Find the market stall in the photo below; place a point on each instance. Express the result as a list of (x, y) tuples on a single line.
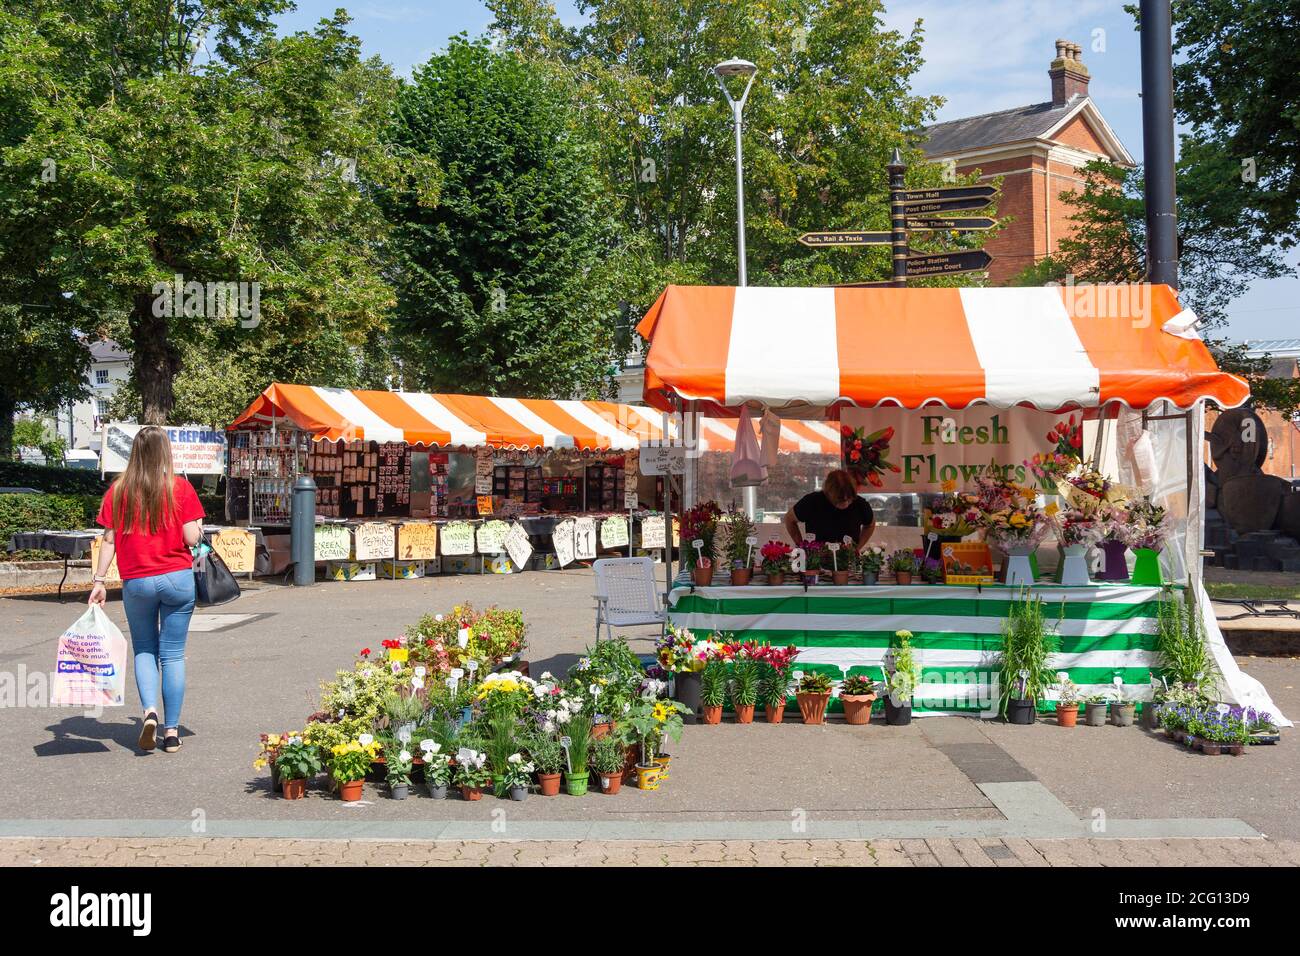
[(937, 391)]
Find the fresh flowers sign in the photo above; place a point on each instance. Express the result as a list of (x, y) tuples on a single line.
[(925, 448)]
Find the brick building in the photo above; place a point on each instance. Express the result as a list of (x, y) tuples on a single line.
[(1038, 152)]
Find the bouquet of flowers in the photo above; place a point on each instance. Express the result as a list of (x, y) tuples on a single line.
[(953, 513), (1012, 518), (815, 554), (1068, 438), (700, 523), (1144, 525), (1076, 526), (1049, 468), (675, 651), (865, 454), (1091, 482), (776, 557)]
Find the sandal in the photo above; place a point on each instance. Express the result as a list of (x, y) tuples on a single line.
[(149, 732), (171, 743)]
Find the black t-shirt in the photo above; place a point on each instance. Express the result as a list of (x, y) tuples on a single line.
[(828, 524)]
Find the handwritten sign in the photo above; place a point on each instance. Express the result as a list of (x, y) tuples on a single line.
[(457, 538), (518, 546), (584, 539), (562, 537), (484, 505), (237, 547), (653, 534), (417, 540), (333, 542), (373, 540), (112, 574), (484, 458), (492, 537), (631, 479), (663, 460), (613, 532)]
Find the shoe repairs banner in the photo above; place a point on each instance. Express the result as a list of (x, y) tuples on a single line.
[(917, 450), (196, 450)]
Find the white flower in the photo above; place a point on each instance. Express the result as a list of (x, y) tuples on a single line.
[(428, 745), (626, 708), (563, 717), (366, 740), (548, 676), (404, 755), (437, 617), (295, 740), (539, 691), (515, 758), (404, 735), (594, 690), (548, 726)]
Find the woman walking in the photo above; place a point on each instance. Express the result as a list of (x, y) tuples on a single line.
[(153, 518)]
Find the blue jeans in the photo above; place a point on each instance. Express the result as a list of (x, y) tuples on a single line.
[(158, 611)]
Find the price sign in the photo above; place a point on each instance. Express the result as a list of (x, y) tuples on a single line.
[(457, 538), (237, 547), (584, 539), (484, 504), (492, 537), (653, 533), (613, 532), (631, 476), (373, 540), (333, 542), (562, 537), (483, 461), (417, 540), (518, 546), (663, 460)]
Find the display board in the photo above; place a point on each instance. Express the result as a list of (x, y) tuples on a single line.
[(584, 539), (518, 546), (491, 537), (457, 538), (237, 547), (483, 462), (562, 540), (373, 541), (333, 542), (417, 540), (613, 532), (654, 533), (195, 450), (394, 479)]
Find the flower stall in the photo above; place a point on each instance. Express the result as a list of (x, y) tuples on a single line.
[(1048, 429)]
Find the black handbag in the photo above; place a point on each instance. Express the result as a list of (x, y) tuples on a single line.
[(214, 585)]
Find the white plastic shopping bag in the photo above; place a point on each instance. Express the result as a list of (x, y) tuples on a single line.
[(90, 668)]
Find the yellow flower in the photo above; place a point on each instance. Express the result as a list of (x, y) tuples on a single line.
[(661, 712), (1051, 509), (1017, 520), (949, 486)]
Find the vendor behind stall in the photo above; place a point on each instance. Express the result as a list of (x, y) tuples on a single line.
[(833, 513)]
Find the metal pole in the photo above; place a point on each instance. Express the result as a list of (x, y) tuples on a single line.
[(302, 531), (736, 107), (898, 218), (1158, 142)]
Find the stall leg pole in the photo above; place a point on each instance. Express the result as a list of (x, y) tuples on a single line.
[(668, 533)]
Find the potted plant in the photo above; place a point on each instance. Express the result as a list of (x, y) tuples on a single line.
[(295, 764), (1112, 542), (437, 770), (931, 571), (744, 687), (1145, 533), (1067, 700), (606, 760), (699, 527), (903, 563), (869, 563), (547, 755), (713, 690), (398, 765), (472, 774), (349, 764), (679, 654), (813, 554), (841, 561), (1027, 645), (578, 730), (516, 776), (857, 694), (775, 684), (739, 529), (1122, 711), (902, 676), (1094, 710), (776, 561), (813, 694)]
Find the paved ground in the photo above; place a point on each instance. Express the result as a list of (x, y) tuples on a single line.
[(74, 778)]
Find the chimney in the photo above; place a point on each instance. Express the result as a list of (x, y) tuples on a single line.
[(1069, 75)]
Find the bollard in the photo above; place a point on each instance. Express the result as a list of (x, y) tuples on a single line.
[(302, 531)]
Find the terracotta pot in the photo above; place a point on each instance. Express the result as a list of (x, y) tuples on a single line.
[(294, 789), (629, 763), (350, 792), (857, 708), (1067, 716), (471, 793), (610, 782), (712, 715), (600, 730), (813, 707), (702, 577), (744, 713), (840, 577), (1235, 749), (647, 778), (1211, 748), (773, 715), (549, 784), (741, 576), (903, 577), (775, 577)]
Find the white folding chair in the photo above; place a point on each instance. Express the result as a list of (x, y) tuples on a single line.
[(626, 596)]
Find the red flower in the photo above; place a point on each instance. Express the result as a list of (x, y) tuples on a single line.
[(889, 434), (895, 469), (1052, 436), (857, 443), (1076, 439), (874, 479), (846, 431), (365, 652), (855, 456)]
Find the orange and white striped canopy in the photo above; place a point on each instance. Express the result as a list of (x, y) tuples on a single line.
[(809, 437), (804, 351), (467, 421)]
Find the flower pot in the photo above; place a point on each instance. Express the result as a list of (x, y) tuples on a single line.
[(744, 713), (471, 793), (857, 708), (773, 715), (1094, 715), (1121, 715), (662, 762), (741, 576), (870, 577), (1114, 567), (1146, 568), (576, 783), (1074, 566), (703, 577), (518, 793), (294, 789), (610, 782), (898, 715), (1150, 715), (812, 707), (809, 578), (1019, 569), (686, 688), (711, 715), (437, 791), (903, 577), (1067, 715), (275, 778), (840, 578), (775, 577), (1211, 748), (548, 784), (1235, 749), (399, 791), (630, 756), (350, 792), (1020, 710), (601, 729), (647, 778)]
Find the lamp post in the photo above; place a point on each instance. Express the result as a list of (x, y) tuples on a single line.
[(723, 72)]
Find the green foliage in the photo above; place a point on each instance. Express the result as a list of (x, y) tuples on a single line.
[(713, 683), (745, 676), (578, 730), (55, 480), (546, 753), (46, 512), (1027, 646), (775, 686), (36, 433), (297, 761), (815, 682), (43, 360), (737, 527), (607, 755), (1282, 395), (398, 769), (904, 674), (1185, 658)]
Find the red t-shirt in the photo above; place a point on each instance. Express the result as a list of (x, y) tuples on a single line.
[(143, 555)]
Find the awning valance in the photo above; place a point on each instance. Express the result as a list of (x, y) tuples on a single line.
[(802, 351)]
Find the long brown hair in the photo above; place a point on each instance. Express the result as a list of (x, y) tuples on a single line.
[(143, 497)]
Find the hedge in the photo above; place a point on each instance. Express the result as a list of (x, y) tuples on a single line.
[(52, 480), (42, 512)]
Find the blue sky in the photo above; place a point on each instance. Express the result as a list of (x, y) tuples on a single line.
[(981, 55)]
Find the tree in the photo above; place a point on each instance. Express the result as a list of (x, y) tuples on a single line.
[(35, 433), (511, 284), (145, 142), (43, 361)]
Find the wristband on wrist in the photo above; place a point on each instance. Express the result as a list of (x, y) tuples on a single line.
[(98, 579)]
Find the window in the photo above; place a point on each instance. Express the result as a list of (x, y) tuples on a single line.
[(101, 376)]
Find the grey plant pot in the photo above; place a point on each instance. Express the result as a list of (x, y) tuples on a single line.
[(1094, 715), (438, 793), (518, 793), (687, 690), (1122, 714), (399, 791)]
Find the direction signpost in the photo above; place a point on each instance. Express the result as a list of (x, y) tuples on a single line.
[(951, 225), (845, 238), (948, 263)]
